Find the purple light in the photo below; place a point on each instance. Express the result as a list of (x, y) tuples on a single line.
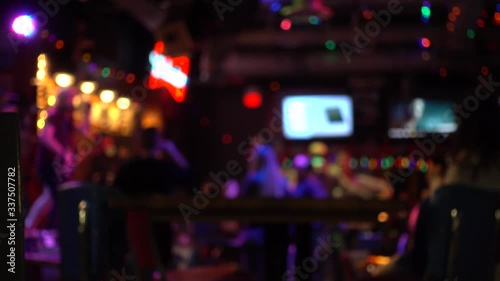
[(301, 161), (52, 38), (24, 25), (92, 67)]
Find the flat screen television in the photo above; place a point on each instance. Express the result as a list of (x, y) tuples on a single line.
[(308, 117), (420, 117)]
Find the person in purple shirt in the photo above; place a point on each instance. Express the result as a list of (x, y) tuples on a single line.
[(311, 187)]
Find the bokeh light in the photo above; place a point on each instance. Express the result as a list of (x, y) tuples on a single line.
[(405, 162), (24, 25), (40, 123), (130, 78), (383, 217), (40, 74), (471, 34), (330, 45), (480, 23), (318, 148), (353, 163), (450, 26), (227, 138), (425, 42), (367, 15), (252, 99), (426, 12), (301, 161), (275, 86), (286, 24), (64, 80), (364, 162), (496, 17), (105, 72), (86, 57), (314, 20), (59, 44), (42, 64), (44, 114), (107, 96), (87, 87), (485, 70), (275, 7), (123, 103), (317, 162), (443, 72), (51, 100)]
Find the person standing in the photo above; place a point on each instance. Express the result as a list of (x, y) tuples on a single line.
[(309, 187), (54, 159), (151, 173), (267, 181)]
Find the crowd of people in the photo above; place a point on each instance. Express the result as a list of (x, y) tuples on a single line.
[(160, 168)]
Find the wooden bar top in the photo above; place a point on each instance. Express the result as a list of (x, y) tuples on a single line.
[(259, 209)]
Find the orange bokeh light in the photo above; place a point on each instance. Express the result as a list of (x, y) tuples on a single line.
[(497, 16), (130, 78), (426, 43), (450, 26), (59, 44)]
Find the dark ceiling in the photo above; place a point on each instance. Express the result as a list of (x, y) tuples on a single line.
[(250, 43)]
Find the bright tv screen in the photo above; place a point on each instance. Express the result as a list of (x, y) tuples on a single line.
[(420, 117), (317, 116)]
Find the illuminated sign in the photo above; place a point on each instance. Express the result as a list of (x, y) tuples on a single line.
[(169, 72)]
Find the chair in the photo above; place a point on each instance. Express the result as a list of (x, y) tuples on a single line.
[(462, 234), (70, 195)]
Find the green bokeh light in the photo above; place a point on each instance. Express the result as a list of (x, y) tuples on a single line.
[(426, 12), (353, 163), (317, 162), (314, 20), (330, 45), (471, 34), (105, 72)]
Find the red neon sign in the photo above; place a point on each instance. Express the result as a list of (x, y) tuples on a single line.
[(169, 72)]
